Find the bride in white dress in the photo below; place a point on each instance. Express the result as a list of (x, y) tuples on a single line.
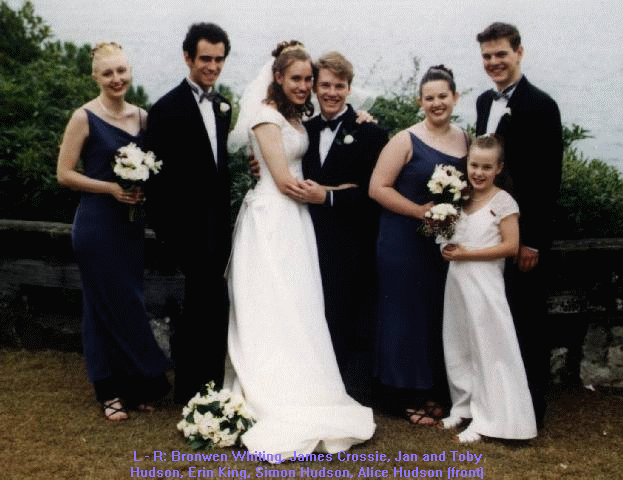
[(279, 344)]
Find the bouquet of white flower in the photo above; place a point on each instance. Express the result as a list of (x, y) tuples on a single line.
[(448, 191), (446, 185), (440, 221), (132, 166), (214, 419)]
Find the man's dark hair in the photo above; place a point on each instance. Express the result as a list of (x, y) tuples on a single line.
[(498, 30), (204, 31)]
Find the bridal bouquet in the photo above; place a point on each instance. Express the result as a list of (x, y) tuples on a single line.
[(214, 419), (133, 166), (449, 191)]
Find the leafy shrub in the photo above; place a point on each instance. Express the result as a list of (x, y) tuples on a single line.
[(42, 82), (591, 194)]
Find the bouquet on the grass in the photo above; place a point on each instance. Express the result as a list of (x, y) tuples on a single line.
[(214, 419), (133, 166), (448, 191)]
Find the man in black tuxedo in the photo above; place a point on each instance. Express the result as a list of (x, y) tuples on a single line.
[(339, 161), (189, 205), (528, 121)]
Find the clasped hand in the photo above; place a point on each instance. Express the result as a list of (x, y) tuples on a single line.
[(131, 197), (308, 191), (453, 252)]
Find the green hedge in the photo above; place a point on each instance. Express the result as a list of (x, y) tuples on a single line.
[(42, 82)]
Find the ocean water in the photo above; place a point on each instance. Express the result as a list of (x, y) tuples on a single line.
[(572, 47)]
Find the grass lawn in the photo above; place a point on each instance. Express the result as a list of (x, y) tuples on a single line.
[(52, 428)]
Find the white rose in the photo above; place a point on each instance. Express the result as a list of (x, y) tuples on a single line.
[(190, 430), (348, 139), (142, 173), (228, 440), (224, 107), (435, 187)]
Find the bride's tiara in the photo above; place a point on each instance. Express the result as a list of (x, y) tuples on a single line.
[(293, 47)]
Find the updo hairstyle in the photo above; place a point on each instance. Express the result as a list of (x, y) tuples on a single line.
[(103, 49), (439, 72)]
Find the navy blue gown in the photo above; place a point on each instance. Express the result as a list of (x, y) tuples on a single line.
[(412, 273), (121, 353)]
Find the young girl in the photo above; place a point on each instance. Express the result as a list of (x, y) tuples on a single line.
[(485, 370)]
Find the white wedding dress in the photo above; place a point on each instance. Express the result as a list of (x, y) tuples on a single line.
[(280, 356), (485, 370)]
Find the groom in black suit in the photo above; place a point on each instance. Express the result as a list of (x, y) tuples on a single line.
[(189, 205), (528, 121), (341, 156)]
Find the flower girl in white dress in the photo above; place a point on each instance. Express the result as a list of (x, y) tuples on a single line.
[(485, 370)]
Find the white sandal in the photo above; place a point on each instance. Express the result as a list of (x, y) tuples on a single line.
[(451, 422)]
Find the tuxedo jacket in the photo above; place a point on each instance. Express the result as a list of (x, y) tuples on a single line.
[(189, 200), (348, 225), (533, 148)]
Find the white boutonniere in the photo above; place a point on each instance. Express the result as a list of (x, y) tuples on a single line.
[(224, 107), (346, 137), (507, 111)]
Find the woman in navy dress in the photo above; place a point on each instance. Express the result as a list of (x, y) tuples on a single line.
[(124, 362), (409, 355)]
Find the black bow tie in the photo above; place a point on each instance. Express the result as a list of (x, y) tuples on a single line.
[(332, 124), (204, 95), (505, 94), (210, 96)]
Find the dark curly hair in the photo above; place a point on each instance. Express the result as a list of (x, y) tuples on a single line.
[(438, 72), (285, 55), (204, 31)]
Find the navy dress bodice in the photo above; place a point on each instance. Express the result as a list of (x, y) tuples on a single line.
[(412, 275)]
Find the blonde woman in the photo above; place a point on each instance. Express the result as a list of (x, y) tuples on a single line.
[(123, 360)]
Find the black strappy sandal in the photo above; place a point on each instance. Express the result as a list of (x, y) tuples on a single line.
[(108, 409), (420, 417)]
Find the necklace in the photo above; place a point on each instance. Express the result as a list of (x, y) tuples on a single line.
[(116, 116), (436, 132), (486, 197)]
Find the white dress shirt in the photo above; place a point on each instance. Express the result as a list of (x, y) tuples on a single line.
[(327, 137), (207, 113), (498, 109)]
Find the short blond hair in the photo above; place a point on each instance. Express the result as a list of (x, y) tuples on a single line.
[(337, 64)]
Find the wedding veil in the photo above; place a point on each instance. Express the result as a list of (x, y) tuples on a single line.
[(250, 102)]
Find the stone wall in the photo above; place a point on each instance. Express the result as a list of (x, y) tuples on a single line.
[(40, 298)]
